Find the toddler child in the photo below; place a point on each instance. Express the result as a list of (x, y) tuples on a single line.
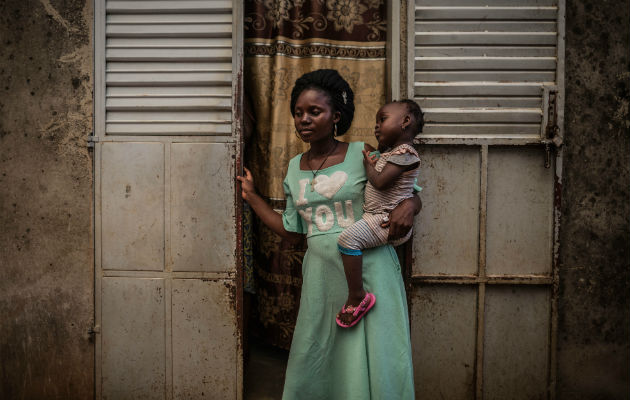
[(391, 180)]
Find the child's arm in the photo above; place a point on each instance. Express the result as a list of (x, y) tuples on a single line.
[(386, 177), (268, 216)]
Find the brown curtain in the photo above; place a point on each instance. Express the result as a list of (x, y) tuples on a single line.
[(283, 40)]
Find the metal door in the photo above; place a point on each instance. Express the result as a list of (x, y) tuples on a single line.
[(483, 280), (166, 151)]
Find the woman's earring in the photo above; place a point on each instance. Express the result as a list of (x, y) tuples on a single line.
[(335, 131)]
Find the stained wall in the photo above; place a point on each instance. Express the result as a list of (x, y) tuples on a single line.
[(594, 307), (46, 257)]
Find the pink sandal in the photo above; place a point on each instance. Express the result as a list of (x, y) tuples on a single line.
[(358, 312)]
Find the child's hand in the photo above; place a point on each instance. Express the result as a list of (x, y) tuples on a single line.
[(369, 159), (247, 185)]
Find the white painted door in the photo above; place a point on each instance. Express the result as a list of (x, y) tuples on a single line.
[(167, 144), (483, 283)]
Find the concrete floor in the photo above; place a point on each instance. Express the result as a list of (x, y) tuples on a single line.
[(264, 372)]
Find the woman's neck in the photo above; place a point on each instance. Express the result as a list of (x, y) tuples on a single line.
[(322, 148)]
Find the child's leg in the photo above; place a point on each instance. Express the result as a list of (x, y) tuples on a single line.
[(353, 268), (351, 242)]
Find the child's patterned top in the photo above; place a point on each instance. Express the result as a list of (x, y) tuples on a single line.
[(377, 201)]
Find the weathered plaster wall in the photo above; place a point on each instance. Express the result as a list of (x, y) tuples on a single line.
[(46, 260), (594, 326)]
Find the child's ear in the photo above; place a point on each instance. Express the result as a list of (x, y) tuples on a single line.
[(406, 122), (336, 117)]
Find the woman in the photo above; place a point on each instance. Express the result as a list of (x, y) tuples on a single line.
[(324, 194)]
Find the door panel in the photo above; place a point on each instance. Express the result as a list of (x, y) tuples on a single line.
[(450, 197), (202, 207), (520, 215), (184, 47), (174, 324), (133, 204), (516, 349), (481, 51), (133, 359), (444, 344), (204, 339)]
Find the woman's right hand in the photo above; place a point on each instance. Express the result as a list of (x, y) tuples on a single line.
[(247, 185)]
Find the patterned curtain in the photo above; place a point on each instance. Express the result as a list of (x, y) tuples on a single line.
[(283, 40)]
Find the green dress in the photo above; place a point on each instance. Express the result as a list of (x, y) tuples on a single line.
[(371, 360)]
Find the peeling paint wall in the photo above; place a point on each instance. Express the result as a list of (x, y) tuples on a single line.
[(46, 259), (594, 307)]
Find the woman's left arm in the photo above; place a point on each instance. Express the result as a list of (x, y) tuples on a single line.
[(401, 217)]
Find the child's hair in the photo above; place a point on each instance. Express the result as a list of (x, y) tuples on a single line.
[(417, 115)]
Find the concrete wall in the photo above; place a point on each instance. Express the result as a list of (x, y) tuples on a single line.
[(46, 258), (594, 334)]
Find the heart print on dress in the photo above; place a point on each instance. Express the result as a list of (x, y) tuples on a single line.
[(327, 186)]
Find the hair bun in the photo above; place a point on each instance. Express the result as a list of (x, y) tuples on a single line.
[(339, 91)]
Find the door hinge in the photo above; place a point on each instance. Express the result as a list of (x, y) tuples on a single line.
[(94, 330), (551, 134), (91, 140)]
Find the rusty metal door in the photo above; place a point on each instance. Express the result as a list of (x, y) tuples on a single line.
[(483, 280), (167, 143)]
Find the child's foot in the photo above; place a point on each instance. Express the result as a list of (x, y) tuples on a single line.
[(352, 301), (355, 308)]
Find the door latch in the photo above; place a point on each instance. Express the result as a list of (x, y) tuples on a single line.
[(551, 134)]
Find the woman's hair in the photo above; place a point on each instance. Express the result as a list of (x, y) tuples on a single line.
[(340, 95), (416, 113)]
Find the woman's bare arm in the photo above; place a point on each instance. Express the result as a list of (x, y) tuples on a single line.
[(268, 216)]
